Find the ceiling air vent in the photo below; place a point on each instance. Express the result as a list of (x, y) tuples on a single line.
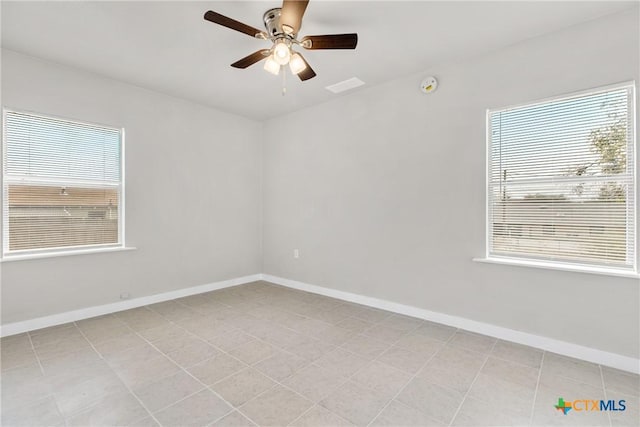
[(351, 83)]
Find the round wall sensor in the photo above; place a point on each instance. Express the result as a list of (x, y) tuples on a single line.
[(429, 84)]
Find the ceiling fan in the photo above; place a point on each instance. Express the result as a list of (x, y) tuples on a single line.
[(282, 26)]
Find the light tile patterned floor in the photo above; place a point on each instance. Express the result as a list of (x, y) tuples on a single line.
[(260, 354)]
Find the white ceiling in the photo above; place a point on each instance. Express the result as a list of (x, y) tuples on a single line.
[(169, 47)]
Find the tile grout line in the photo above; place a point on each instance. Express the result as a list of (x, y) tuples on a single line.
[(311, 408), (265, 392), (535, 393), (51, 394), (200, 390), (514, 362), (473, 382), (415, 375), (233, 409), (116, 374), (324, 397), (606, 396), (229, 413), (305, 413), (35, 353)]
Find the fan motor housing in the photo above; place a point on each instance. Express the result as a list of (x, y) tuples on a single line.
[(272, 23)]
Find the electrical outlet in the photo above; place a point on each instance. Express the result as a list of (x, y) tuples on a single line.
[(125, 295), (296, 253)]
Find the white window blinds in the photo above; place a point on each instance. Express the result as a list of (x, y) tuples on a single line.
[(62, 184), (561, 180)]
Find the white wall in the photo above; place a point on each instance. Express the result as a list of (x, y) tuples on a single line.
[(383, 192), (192, 193)]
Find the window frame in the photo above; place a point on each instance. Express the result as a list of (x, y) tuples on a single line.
[(631, 205), (5, 253)]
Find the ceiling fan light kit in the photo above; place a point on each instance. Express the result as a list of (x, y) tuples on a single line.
[(282, 26)]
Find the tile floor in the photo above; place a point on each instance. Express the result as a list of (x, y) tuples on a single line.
[(260, 354)]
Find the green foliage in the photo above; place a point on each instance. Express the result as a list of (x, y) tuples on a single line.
[(610, 144), (612, 192)]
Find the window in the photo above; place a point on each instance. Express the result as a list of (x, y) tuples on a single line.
[(62, 185), (562, 181)]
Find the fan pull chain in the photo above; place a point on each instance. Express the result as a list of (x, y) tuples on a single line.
[(284, 80)]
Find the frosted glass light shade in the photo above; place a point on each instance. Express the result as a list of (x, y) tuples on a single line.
[(297, 64), (272, 66), (281, 53)]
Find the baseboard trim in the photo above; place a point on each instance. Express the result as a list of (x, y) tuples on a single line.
[(99, 310), (593, 355)]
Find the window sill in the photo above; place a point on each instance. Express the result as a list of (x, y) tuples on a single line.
[(563, 267), (10, 258)]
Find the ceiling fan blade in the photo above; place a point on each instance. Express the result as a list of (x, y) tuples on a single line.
[(291, 15), (307, 73), (233, 24), (330, 41), (251, 59)]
